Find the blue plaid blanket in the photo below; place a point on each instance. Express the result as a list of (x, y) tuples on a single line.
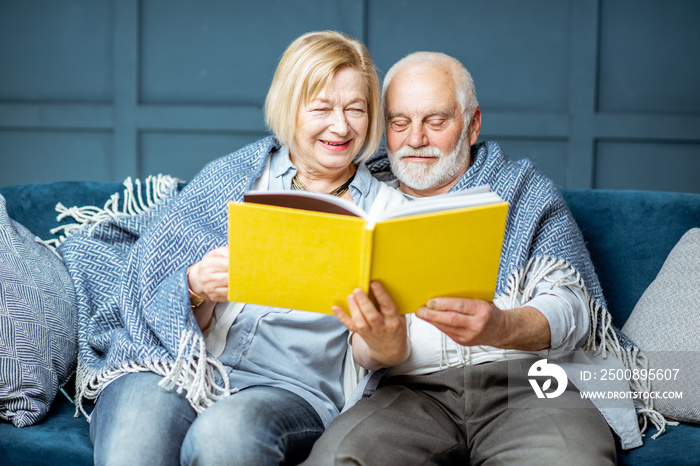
[(129, 270)]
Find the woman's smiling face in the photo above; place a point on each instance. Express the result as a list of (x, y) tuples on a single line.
[(332, 126)]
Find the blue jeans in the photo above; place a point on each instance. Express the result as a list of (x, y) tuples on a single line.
[(137, 422)]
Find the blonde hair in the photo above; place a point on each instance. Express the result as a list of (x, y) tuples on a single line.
[(306, 67)]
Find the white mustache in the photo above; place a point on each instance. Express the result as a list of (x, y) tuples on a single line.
[(425, 152)]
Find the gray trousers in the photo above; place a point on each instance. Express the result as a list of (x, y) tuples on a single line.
[(485, 414)]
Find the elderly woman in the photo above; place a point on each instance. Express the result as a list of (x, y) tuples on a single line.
[(260, 384)]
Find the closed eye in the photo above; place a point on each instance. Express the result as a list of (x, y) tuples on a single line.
[(398, 125), (437, 123)]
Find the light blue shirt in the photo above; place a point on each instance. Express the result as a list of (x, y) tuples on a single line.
[(363, 189), (298, 351)]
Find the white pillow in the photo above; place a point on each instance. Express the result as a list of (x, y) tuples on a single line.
[(38, 324), (665, 324)]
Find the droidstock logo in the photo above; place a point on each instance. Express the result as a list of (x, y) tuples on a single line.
[(544, 369)]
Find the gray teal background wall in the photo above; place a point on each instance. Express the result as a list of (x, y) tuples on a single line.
[(599, 93)]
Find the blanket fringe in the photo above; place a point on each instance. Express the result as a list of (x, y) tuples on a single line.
[(601, 334), (195, 372), (603, 340), (192, 371), (138, 197)]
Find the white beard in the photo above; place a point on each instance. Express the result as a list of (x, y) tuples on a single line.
[(422, 176)]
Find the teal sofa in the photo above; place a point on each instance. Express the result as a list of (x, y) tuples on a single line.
[(629, 235)]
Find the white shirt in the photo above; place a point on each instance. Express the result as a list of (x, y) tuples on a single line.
[(564, 307)]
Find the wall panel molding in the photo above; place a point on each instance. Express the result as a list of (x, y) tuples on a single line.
[(558, 81), (55, 116)]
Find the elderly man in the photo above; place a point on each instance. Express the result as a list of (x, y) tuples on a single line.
[(457, 389)]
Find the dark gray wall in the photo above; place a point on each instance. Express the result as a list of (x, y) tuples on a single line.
[(601, 94)]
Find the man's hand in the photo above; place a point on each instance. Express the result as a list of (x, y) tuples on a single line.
[(471, 322), (380, 337)]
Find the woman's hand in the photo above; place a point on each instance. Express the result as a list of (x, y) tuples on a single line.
[(380, 337), (209, 277)]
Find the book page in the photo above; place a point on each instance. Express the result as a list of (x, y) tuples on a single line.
[(481, 195), (306, 200)]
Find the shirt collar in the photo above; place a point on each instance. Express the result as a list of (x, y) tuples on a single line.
[(360, 185), (282, 170), (281, 166)]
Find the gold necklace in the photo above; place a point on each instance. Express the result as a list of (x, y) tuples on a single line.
[(298, 185)]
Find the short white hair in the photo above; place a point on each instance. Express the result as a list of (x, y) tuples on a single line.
[(464, 84)]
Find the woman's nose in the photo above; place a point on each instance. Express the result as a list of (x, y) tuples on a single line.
[(339, 123)]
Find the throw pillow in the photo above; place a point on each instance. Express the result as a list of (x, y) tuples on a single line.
[(665, 324), (38, 324)]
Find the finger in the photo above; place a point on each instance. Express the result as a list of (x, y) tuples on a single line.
[(211, 286), (219, 252), (386, 305), (443, 317), (462, 305), (215, 264), (220, 288), (343, 317), (208, 272), (218, 297), (217, 278), (218, 256), (358, 316), (458, 333), (367, 308)]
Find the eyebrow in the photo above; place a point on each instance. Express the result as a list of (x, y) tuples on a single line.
[(358, 100), (440, 113), (327, 101)]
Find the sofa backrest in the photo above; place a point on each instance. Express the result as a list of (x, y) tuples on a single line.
[(629, 234), (33, 205)]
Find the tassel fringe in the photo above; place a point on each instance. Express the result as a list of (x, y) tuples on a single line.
[(138, 197), (192, 371), (602, 338)]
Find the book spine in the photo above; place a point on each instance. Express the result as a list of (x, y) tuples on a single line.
[(366, 257)]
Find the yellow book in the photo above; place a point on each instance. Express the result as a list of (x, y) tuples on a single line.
[(308, 251)]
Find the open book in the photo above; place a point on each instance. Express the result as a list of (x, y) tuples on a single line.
[(308, 251)]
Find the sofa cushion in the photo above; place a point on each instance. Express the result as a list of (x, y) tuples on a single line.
[(60, 439), (38, 324), (629, 235), (665, 324), (678, 446)]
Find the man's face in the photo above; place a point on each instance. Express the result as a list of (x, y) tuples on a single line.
[(425, 133)]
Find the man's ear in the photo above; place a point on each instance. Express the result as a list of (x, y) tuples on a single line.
[(475, 126)]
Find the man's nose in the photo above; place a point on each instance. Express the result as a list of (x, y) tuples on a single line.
[(417, 137)]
